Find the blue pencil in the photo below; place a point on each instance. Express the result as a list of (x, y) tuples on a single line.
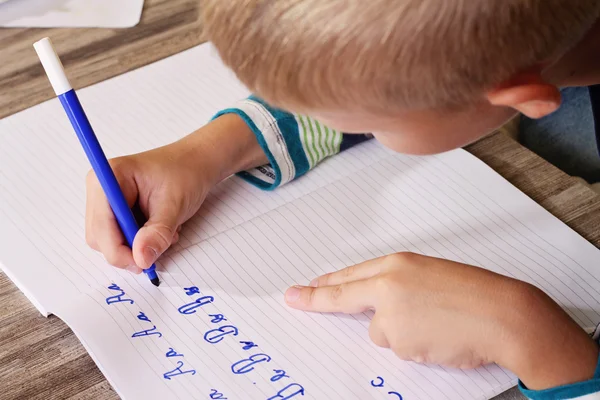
[(91, 146)]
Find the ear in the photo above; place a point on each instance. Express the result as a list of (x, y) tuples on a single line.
[(527, 93)]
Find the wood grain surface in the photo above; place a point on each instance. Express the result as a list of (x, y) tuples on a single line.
[(93, 55), (40, 358)]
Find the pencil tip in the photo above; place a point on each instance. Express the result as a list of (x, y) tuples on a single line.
[(155, 282)]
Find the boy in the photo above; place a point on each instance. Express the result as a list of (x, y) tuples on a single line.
[(423, 77)]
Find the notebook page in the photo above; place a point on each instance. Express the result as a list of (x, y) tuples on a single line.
[(446, 206), (233, 201), (43, 167)]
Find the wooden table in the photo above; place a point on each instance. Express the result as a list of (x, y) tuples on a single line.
[(41, 358)]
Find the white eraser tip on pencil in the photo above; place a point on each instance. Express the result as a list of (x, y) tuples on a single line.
[(52, 65)]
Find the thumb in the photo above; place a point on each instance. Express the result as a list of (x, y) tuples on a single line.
[(155, 237)]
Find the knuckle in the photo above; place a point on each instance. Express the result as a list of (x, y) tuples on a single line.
[(394, 260), (322, 280), (377, 337), (336, 293), (311, 298), (111, 258), (117, 162), (164, 235), (350, 271), (403, 261), (400, 351), (398, 259), (384, 285)]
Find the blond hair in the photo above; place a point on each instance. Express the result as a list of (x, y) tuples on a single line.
[(384, 56)]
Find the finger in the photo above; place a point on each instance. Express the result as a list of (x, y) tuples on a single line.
[(356, 272), (155, 237), (175, 238), (104, 232), (350, 298), (92, 189), (376, 333), (111, 243)]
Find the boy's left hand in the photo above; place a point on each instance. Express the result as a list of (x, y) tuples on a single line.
[(442, 312)]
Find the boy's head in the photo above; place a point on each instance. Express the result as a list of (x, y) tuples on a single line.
[(422, 75)]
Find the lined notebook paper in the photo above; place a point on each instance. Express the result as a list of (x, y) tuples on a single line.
[(217, 327)]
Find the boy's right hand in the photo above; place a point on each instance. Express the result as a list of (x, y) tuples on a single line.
[(168, 190), (170, 184)]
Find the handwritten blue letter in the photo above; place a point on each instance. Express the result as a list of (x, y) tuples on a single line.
[(117, 298), (245, 366), (178, 371), (288, 392), (147, 332), (191, 308), (216, 335)]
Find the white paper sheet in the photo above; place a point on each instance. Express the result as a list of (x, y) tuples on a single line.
[(70, 13), (247, 246)]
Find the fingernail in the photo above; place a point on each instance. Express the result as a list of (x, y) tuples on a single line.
[(134, 269), (314, 282), (292, 294), (150, 255)]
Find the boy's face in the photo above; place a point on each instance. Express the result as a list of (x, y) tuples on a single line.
[(422, 132)]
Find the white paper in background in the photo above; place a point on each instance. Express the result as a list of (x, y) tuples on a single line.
[(70, 13)]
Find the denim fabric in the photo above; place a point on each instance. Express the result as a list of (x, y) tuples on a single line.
[(567, 138)]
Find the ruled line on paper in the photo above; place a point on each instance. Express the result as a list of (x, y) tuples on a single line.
[(245, 247)]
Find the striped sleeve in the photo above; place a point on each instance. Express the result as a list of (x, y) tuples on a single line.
[(294, 144), (588, 390)]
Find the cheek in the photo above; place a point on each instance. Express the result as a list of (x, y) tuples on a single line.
[(350, 124), (411, 143), (425, 143), (443, 136)]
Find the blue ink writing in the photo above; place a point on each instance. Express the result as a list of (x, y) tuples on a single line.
[(279, 374), (178, 371), (117, 298), (216, 335), (290, 391), (191, 308), (215, 395), (216, 318), (148, 332), (190, 291), (247, 365), (173, 353), (248, 345), (142, 317), (378, 384)]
